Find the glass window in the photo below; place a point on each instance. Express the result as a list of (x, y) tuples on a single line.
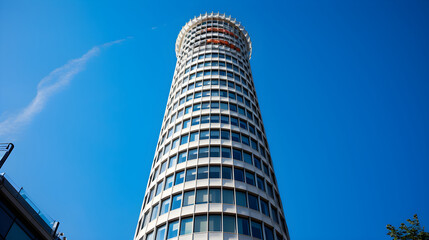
[(188, 109), (202, 196), (247, 157), (203, 152), (239, 174), (264, 208), (228, 196), (200, 223), (223, 105), (226, 172), (179, 177), (235, 137), (195, 121), (257, 162), (177, 127), (214, 172), (270, 190), (261, 184), (214, 151), (237, 154), (234, 121), (148, 237), (224, 119), (190, 174), (176, 201), (243, 124), (188, 198), (204, 134), (160, 233), (245, 139), (192, 154), (163, 167), (224, 134), (215, 222), (215, 93), (250, 178), (214, 196), (233, 108), (268, 233), (274, 214), (169, 182), (183, 140), (158, 189), (193, 136), (243, 226), (182, 157), (256, 230), (206, 93), (154, 212), (197, 95), (254, 144), (203, 173), (185, 123), (229, 223), (226, 152), (240, 198), (165, 205), (206, 105), (253, 202), (214, 134), (214, 118), (186, 226)]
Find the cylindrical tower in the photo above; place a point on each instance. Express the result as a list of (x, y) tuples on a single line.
[(212, 176)]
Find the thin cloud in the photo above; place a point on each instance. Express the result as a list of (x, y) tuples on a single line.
[(48, 86)]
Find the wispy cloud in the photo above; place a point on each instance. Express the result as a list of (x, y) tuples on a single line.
[(48, 86)]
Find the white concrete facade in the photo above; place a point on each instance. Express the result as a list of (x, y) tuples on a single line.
[(212, 176)]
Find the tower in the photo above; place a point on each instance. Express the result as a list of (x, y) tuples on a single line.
[(212, 176)]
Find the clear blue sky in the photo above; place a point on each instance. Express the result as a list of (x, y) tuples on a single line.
[(343, 88)]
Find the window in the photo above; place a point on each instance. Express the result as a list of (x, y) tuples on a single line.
[(223, 105), (154, 212), (238, 174), (182, 157), (200, 224), (229, 223), (188, 109), (185, 124), (183, 140), (205, 119), (215, 222), (148, 237), (240, 198), (186, 226), (250, 178), (226, 173), (214, 118), (243, 226), (214, 196), (214, 172), (203, 173), (203, 152), (192, 154), (257, 162), (256, 230), (235, 136), (165, 205), (237, 154), (261, 184), (190, 174), (168, 182), (214, 134), (160, 233), (228, 196), (224, 134), (214, 151), (270, 190), (158, 189), (274, 214), (224, 119), (179, 177), (268, 233), (202, 196), (188, 198), (177, 127), (204, 134), (234, 121), (195, 121), (245, 139), (264, 208), (243, 124), (163, 167), (176, 201), (254, 144), (193, 136), (253, 202), (226, 152)]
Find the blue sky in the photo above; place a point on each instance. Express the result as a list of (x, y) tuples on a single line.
[(343, 89)]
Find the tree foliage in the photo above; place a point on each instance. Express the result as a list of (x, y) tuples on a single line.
[(412, 232)]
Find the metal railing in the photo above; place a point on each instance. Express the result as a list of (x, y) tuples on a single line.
[(7, 149)]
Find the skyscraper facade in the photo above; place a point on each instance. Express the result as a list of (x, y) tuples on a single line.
[(212, 176)]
